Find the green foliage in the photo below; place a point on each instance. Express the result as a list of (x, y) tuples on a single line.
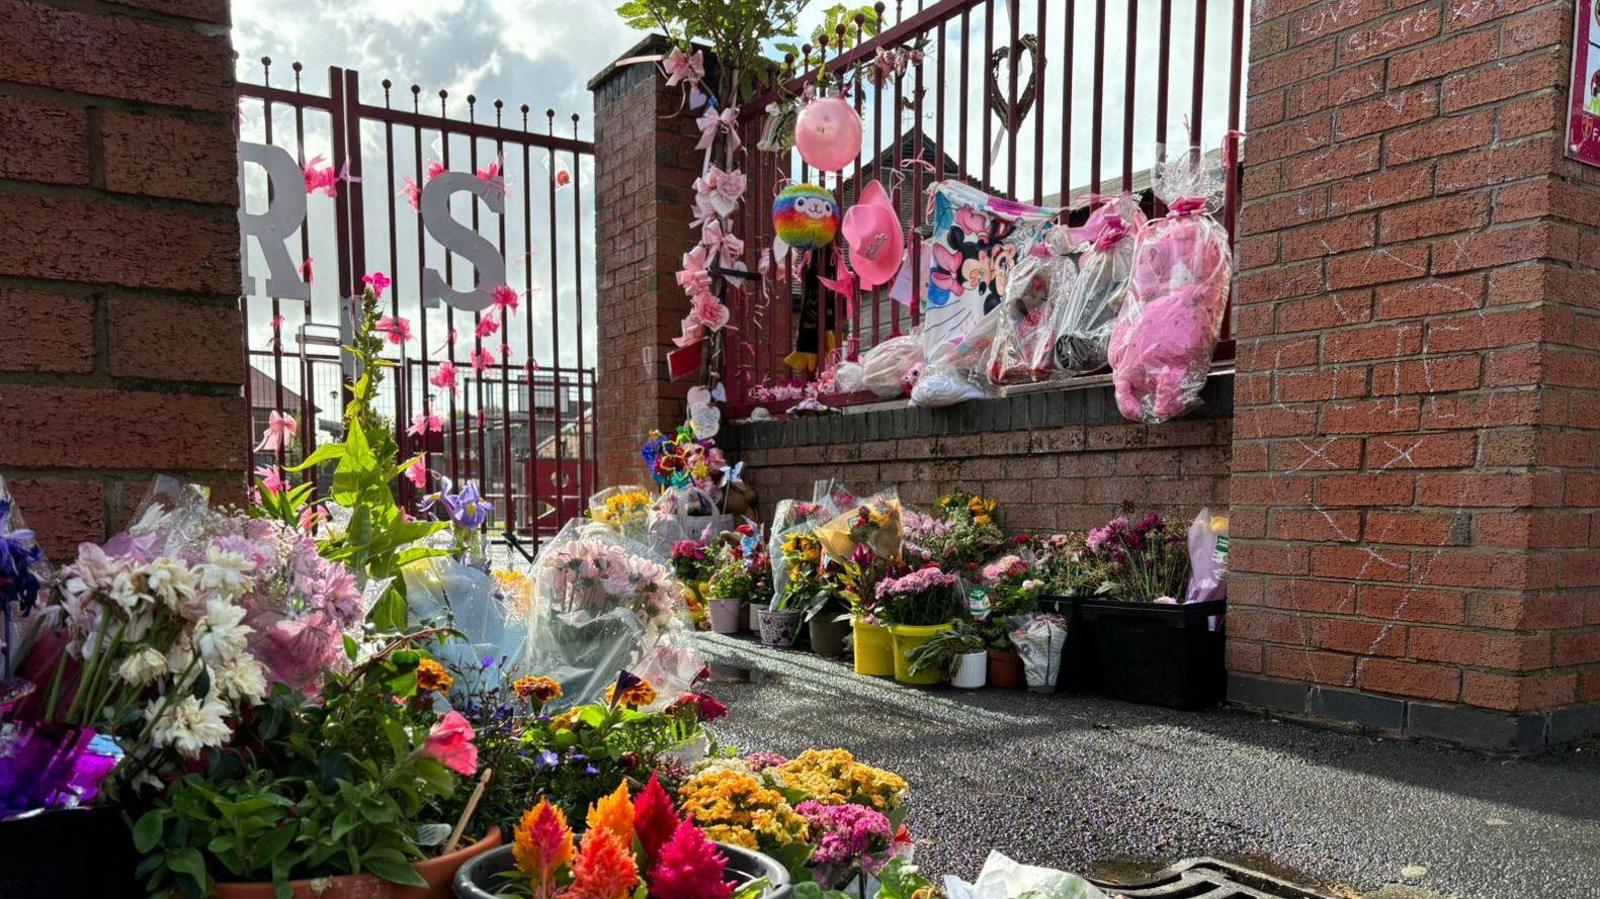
[(330, 786), (737, 31), (943, 651), (901, 880), (379, 541)]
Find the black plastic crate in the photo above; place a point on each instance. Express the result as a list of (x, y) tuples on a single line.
[(1165, 655)]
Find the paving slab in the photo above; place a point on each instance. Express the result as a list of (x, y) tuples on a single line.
[(1118, 791)]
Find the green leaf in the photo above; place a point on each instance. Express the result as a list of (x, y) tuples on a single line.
[(188, 860), (394, 872), (351, 647), (272, 844), (324, 453), (147, 830), (389, 612)]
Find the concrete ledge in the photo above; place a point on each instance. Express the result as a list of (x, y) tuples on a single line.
[(1453, 724), (1089, 403)]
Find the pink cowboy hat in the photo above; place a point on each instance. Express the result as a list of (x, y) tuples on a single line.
[(872, 229)]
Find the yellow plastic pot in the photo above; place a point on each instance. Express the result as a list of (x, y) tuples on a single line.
[(874, 649), (908, 637)]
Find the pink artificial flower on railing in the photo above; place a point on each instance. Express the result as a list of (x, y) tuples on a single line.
[(396, 330), (323, 178), (709, 312), (378, 281), (281, 428), (417, 472), (720, 190), (688, 69), (482, 359), (435, 169), (412, 192), (451, 744), (505, 297), (492, 175), (305, 270), (487, 325), (445, 377), (425, 423)]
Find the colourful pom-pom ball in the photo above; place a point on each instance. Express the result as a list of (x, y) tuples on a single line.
[(805, 216)]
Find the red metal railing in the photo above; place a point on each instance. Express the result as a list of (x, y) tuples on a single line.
[(951, 115), (522, 426)]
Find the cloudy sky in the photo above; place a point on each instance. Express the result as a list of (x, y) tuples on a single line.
[(542, 52)]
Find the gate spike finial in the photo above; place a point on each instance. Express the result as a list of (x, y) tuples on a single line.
[(266, 69)]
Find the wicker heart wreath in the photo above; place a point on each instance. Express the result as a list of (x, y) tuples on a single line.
[(1012, 116)]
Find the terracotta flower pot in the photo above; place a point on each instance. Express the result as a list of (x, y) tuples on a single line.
[(1005, 669), (439, 872)]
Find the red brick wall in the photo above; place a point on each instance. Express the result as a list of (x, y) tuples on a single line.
[(1414, 448), (1054, 460), (120, 337), (644, 168)]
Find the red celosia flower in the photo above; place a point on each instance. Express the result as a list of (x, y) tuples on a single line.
[(542, 847), (654, 818), (604, 868), (690, 865)]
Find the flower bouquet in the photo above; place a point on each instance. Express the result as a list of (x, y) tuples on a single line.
[(625, 510), (600, 603), (960, 536), (917, 606), (1143, 562), (875, 524)]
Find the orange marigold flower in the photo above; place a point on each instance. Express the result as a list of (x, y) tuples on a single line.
[(604, 869), (543, 846), (640, 694), (432, 678), (537, 689), (614, 813)]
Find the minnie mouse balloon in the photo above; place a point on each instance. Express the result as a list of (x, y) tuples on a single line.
[(828, 133)]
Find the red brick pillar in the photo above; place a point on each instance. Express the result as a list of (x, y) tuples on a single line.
[(645, 166), (120, 334), (1414, 463)]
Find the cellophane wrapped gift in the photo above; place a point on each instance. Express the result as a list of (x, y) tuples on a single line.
[(486, 610), (1003, 878), (954, 372), (1039, 640), (1087, 316), (1167, 329), (599, 603), (684, 513), (889, 369), (874, 523), (1208, 558), (1037, 289)]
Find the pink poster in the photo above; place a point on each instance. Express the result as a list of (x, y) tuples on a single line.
[(1583, 125)]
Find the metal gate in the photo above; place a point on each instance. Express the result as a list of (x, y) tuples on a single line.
[(520, 417)]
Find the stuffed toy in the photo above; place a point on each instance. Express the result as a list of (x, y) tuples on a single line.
[(1166, 331), (805, 217)]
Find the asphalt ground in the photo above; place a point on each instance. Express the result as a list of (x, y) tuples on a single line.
[(1117, 791)]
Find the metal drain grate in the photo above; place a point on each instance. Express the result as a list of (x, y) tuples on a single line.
[(1207, 878)]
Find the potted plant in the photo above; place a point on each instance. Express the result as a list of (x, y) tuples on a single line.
[(916, 606), (1149, 645), (809, 591), (871, 643), (693, 565), (311, 804), (1006, 594), (628, 844), (730, 587), (959, 654)]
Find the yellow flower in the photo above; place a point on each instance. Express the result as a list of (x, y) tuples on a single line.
[(567, 720), (432, 678), (834, 777), (734, 805), (614, 812)]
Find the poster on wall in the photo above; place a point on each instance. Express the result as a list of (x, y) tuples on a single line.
[(1583, 123)]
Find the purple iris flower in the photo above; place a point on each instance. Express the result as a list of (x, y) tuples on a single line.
[(18, 554), (548, 759), (468, 509)]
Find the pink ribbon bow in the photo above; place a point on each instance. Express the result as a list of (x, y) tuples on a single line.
[(710, 122), (684, 68), (280, 430)]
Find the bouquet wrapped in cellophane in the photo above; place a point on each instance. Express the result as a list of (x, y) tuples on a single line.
[(599, 602)]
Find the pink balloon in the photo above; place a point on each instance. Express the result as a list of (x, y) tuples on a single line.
[(828, 133)]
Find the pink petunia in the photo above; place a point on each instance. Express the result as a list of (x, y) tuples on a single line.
[(487, 325), (505, 297), (396, 330), (445, 377), (378, 281), (450, 743)]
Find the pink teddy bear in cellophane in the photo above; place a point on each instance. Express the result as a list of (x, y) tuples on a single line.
[(1166, 331)]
